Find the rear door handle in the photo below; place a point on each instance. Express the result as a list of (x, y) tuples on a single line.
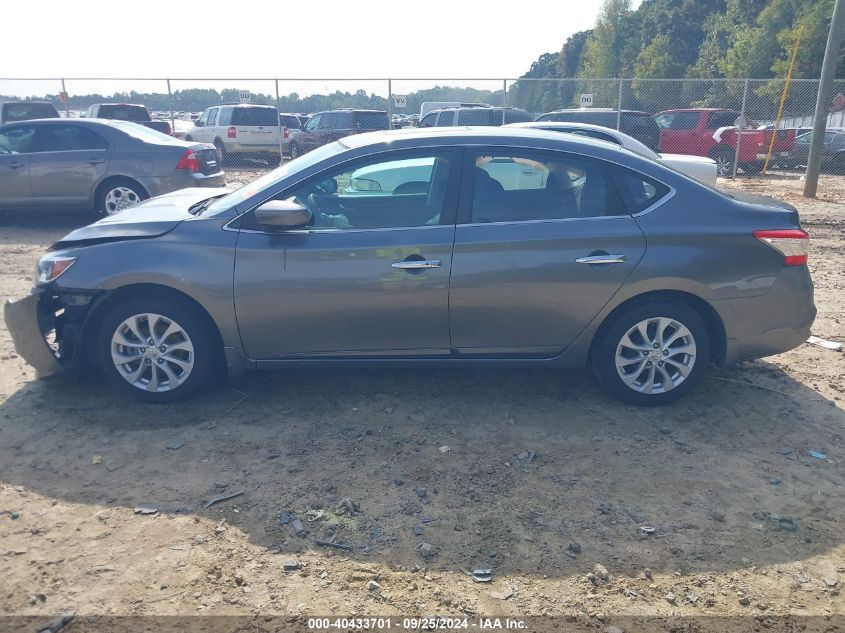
[(96, 161), (416, 264), (15, 165), (594, 260)]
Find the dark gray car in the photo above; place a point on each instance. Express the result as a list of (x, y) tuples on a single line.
[(437, 247), (833, 150), (107, 165)]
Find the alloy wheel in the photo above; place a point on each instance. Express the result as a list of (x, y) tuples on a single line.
[(152, 352), (120, 198), (655, 355)]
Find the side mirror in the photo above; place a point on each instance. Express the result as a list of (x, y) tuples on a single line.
[(197, 123), (283, 215)]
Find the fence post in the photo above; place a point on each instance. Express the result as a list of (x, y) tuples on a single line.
[(172, 118), (619, 107), (504, 98), (739, 128), (67, 99), (389, 104), (281, 131)]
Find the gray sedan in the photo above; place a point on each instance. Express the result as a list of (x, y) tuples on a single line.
[(473, 246), (107, 165)]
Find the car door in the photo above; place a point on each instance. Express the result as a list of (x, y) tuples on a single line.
[(679, 133), (541, 245), (15, 154), (201, 132), (307, 138), (67, 162), (370, 277)]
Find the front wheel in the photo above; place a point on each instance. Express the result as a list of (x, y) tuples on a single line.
[(156, 349), (294, 151), (652, 353)]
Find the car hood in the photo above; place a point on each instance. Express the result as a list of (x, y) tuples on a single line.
[(151, 218)]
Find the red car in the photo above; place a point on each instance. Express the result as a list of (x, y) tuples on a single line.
[(700, 132)]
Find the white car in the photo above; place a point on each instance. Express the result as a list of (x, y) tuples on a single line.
[(701, 168), (240, 130)]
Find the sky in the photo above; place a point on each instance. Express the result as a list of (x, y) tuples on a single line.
[(435, 39)]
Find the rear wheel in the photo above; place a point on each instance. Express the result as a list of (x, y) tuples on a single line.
[(294, 151), (157, 349), (724, 158), (118, 194), (221, 151), (652, 353)]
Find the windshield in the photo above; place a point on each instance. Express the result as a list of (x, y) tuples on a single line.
[(284, 171)]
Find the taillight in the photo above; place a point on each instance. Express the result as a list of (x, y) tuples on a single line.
[(793, 243), (232, 133), (189, 161), (286, 132)]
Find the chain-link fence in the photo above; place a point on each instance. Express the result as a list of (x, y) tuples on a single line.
[(744, 125)]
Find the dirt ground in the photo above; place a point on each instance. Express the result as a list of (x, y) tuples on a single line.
[(582, 507)]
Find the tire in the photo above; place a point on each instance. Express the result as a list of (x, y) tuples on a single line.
[(641, 361), (752, 169), (294, 151), (117, 194), (177, 366), (221, 151), (724, 158), (188, 137)]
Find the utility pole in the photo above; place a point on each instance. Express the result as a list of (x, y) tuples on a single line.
[(831, 56)]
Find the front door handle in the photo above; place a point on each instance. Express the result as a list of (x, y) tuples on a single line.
[(15, 165), (96, 161), (416, 264), (595, 260)]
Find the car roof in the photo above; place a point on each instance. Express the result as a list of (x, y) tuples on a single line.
[(697, 110), (467, 135)]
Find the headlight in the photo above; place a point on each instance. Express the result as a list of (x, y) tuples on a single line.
[(50, 267)]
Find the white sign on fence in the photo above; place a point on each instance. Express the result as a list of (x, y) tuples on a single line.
[(244, 96), (400, 101), (587, 100)]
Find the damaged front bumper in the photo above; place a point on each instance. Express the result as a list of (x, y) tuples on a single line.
[(25, 320), (46, 327)]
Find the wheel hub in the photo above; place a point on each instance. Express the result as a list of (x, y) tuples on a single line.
[(152, 352), (655, 355)]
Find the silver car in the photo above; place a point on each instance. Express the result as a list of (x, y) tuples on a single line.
[(104, 164), (473, 246)]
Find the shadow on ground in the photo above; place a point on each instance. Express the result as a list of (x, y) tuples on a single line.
[(709, 474)]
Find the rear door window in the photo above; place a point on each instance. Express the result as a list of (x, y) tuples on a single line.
[(526, 186), (212, 116), (66, 138)]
